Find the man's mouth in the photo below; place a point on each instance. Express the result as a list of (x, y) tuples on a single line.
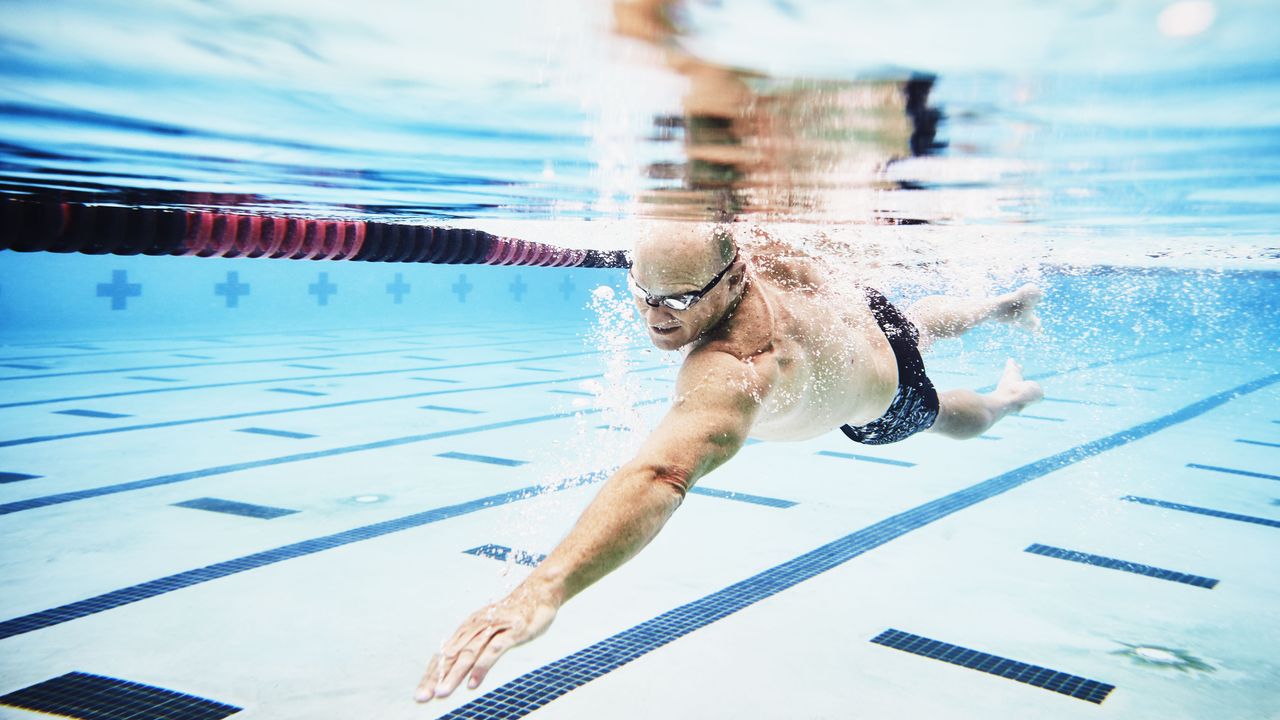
[(666, 328)]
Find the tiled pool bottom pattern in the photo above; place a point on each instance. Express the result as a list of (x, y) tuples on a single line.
[(533, 691), (543, 685)]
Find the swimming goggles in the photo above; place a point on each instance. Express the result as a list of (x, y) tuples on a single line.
[(683, 301)]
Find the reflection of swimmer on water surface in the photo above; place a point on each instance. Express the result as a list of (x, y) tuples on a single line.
[(798, 148), (776, 349)]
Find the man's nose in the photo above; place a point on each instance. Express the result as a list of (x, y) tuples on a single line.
[(656, 315)]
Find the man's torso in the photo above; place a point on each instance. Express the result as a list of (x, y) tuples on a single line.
[(833, 362)]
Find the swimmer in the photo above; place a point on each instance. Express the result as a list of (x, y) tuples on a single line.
[(774, 351)]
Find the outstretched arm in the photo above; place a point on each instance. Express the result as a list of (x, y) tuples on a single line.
[(716, 401)]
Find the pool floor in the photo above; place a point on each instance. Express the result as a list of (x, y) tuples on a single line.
[(287, 526)]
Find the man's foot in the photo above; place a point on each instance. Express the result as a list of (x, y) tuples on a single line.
[(1019, 307), (1016, 392)]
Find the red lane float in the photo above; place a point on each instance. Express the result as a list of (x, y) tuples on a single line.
[(31, 225)]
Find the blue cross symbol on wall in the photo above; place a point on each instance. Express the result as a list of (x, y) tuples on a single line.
[(232, 289), (462, 287), (566, 287), (518, 288), (119, 289), (322, 289), (399, 288)]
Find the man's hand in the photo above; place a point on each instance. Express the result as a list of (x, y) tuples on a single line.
[(482, 639)]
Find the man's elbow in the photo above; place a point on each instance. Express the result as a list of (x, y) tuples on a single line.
[(675, 479)]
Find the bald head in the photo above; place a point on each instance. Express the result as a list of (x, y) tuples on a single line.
[(676, 257)]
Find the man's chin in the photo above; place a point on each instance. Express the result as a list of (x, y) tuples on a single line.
[(672, 341)]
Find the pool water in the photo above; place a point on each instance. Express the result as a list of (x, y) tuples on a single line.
[(236, 487), (288, 522)]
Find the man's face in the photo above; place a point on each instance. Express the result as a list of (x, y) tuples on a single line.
[(665, 275)]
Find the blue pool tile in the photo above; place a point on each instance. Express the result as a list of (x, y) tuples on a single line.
[(865, 458), (741, 497), (292, 391), (502, 552), (91, 413), (436, 380), (424, 358), (276, 433), (1233, 471), (537, 369), (447, 408), (1203, 511), (1059, 682), (308, 367), (152, 378), (96, 697), (1114, 564), (491, 460), (18, 366), (1258, 442), (231, 507), (193, 357), (8, 477)]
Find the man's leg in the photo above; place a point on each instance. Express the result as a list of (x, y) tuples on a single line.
[(963, 414), (942, 316)]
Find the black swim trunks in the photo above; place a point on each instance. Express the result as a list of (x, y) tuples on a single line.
[(915, 405)]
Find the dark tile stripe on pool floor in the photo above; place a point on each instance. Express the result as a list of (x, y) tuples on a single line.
[(741, 497), (1234, 471), (95, 697), (1202, 511), (538, 687), (502, 552), (1124, 565), (232, 507), (865, 458), (1059, 682)]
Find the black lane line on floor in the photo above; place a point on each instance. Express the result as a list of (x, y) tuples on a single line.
[(298, 378), (1085, 558), (304, 408), (542, 685), (233, 507), (1233, 471), (47, 500), (8, 477), (1041, 677), (253, 361), (143, 591), (96, 697), (1203, 511)]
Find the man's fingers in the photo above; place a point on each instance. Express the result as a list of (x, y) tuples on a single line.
[(501, 642), (427, 688), (465, 660)]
